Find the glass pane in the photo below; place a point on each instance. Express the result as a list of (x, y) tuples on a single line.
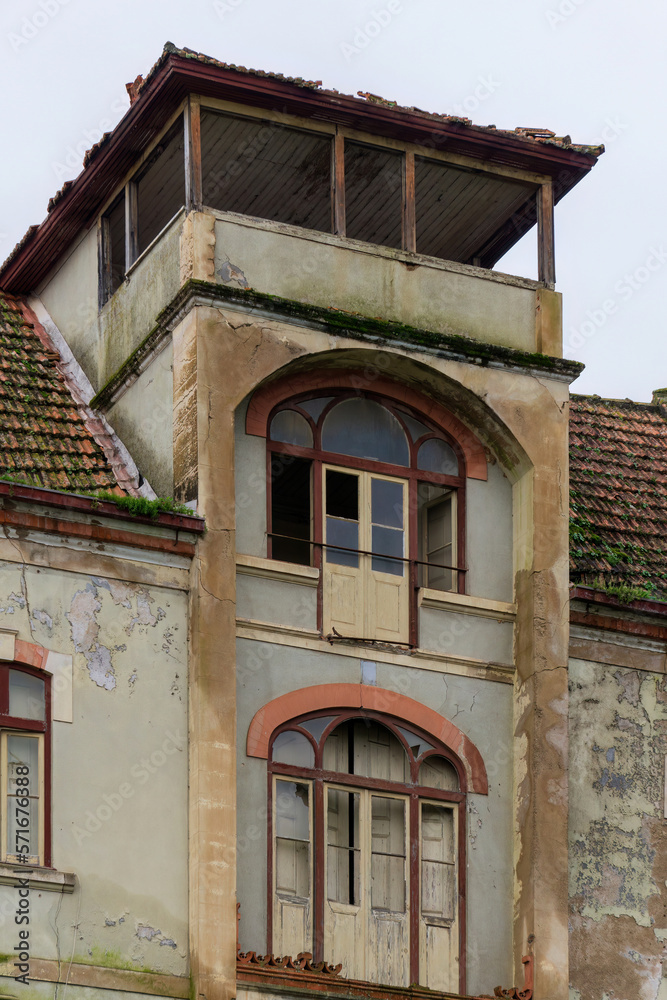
[(436, 534), (439, 548), (23, 795), (342, 527), (293, 748), (293, 867), (438, 772), (438, 862), (343, 856), (292, 810), (317, 726), (416, 743), (161, 187), (388, 542), (116, 217), (314, 407), (363, 428), (27, 699), (291, 509), (342, 495), (437, 456), (344, 533), (387, 854), (292, 428), (387, 503), (416, 427)]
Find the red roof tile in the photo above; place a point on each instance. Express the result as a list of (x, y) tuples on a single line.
[(43, 438), (618, 494)]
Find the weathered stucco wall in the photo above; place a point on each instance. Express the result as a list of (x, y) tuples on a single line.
[(618, 848), (120, 770), (143, 418), (70, 297), (221, 355), (376, 281), (129, 315), (482, 709), (101, 340)]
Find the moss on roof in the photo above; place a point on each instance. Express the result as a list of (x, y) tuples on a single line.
[(618, 494), (43, 438)]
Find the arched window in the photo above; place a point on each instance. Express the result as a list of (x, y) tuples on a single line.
[(366, 857), (372, 493), (25, 710)]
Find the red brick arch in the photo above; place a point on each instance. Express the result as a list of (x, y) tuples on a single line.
[(373, 699), (270, 394), (31, 654)]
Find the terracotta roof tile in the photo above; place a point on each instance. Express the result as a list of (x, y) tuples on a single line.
[(43, 437), (618, 494)]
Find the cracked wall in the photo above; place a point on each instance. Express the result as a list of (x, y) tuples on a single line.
[(617, 844), (119, 770)]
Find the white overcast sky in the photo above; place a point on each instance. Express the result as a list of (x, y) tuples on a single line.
[(593, 69)]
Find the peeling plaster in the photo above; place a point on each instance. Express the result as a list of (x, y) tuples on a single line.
[(43, 618), (86, 606), (230, 273), (151, 934), (618, 848)]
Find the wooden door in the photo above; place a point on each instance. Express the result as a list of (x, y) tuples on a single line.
[(344, 910), (366, 580), (438, 922), (388, 959), (343, 569), (366, 912), (292, 867)]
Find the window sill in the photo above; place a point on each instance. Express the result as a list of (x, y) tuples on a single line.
[(45, 879), (481, 607), (273, 569)]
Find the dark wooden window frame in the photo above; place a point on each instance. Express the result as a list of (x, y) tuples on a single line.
[(410, 473), (15, 724), (412, 790), (192, 173)]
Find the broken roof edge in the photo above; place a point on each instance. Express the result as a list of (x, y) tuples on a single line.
[(593, 595), (179, 72), (102, 507), (594, 399), (537, 135)]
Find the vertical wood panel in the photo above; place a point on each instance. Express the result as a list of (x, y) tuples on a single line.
[(409, 218), (546, 264), (104, 261), (193, 169), (338, 185), (131, 224)]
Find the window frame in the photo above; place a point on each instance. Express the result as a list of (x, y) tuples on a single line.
[(128, 197), (410, 474), (10, 725), (412, 792)]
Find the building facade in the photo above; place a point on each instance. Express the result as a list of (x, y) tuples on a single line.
[(283, 301)]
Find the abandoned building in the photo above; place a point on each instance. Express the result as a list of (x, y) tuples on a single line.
[(309, 728)]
